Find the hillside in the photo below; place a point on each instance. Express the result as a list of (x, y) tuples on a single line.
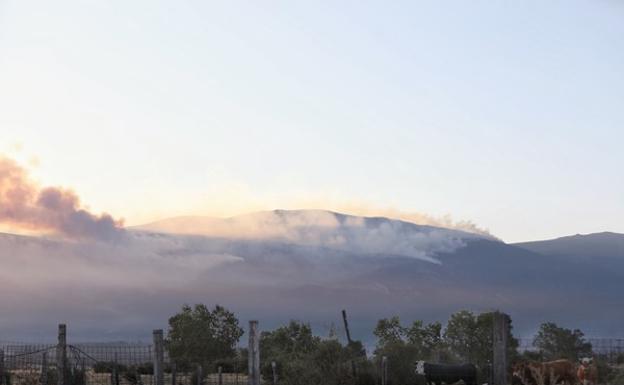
[(604, 244), (298, 265)]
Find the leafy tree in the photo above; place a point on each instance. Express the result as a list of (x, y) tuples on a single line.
[(295, 340), (423, 339), (469, 337), (305, 359), (333, 361), (199, 335), (555, 342), (461, 335), (404, 345), (291, 348), (389, 331)]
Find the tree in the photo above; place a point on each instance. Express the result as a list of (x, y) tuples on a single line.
[(389, 331), (199, 335), (405, 345), (461, 335), (469, 337), (423, 339), (291, 347), (305, 359), (555, 342)]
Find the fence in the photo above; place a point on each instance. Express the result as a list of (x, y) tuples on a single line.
[(611, 349), (105, 364), (149, 364)]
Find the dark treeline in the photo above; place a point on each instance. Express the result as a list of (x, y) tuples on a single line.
[(210, 337)]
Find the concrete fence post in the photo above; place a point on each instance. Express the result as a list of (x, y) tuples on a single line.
[(61, 355), (44, 369), (2, 367), (384, 370), (115, 371), (159, 357), (254, 354), (274, 372), (200, 375), (500, 359)]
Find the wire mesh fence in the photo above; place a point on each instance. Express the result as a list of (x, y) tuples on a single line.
[(102, 364), (609, 349)]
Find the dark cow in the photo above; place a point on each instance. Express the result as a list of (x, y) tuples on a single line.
[(447, 374)]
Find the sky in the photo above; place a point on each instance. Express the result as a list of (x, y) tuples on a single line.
[(507, 114)]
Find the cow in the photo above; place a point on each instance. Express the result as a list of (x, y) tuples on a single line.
[(545, 373), (587, 372), (522, 372), (447, 374)]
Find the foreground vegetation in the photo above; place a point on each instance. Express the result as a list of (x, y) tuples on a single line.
[(303, 358)]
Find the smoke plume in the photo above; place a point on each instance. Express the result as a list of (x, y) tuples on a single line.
[(25, 205)]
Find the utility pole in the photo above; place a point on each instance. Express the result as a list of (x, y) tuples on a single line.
[(349, 341)]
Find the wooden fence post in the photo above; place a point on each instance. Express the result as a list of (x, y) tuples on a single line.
[(254, 354), (220, 375), (274, 371), (499, 361), (61, 355), (158, 357), (384, 370), (174, 373), (44, 368)]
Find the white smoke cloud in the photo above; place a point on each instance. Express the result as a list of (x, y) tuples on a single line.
[(319, 228)]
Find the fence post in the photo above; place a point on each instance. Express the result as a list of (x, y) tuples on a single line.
[(220, 375), (115, 371), (254, 354), (499, 361), (61, 355), (200, 375), (436, 354), (44, 368), (384, 370), (158, 357), (83, 368), (274, 370), (174, 373), (1, 367)]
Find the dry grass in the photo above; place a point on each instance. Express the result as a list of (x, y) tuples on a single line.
[(33, 377)]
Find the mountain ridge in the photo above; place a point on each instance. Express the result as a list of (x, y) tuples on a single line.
[(603, 244), (376, 268)]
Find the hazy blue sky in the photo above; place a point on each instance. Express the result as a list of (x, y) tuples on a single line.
[(510, 114)]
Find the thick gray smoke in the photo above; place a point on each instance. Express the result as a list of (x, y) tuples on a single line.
[(24, 204)]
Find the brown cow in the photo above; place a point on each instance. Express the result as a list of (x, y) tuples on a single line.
[(522, 372), (560, 371), (546, 373)]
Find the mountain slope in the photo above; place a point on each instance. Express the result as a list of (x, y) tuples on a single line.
[(604, 244), (311, 267), (363, 235)]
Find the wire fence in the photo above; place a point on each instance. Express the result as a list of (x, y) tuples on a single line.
[(103, 364), (611, 349), (132, 364)]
